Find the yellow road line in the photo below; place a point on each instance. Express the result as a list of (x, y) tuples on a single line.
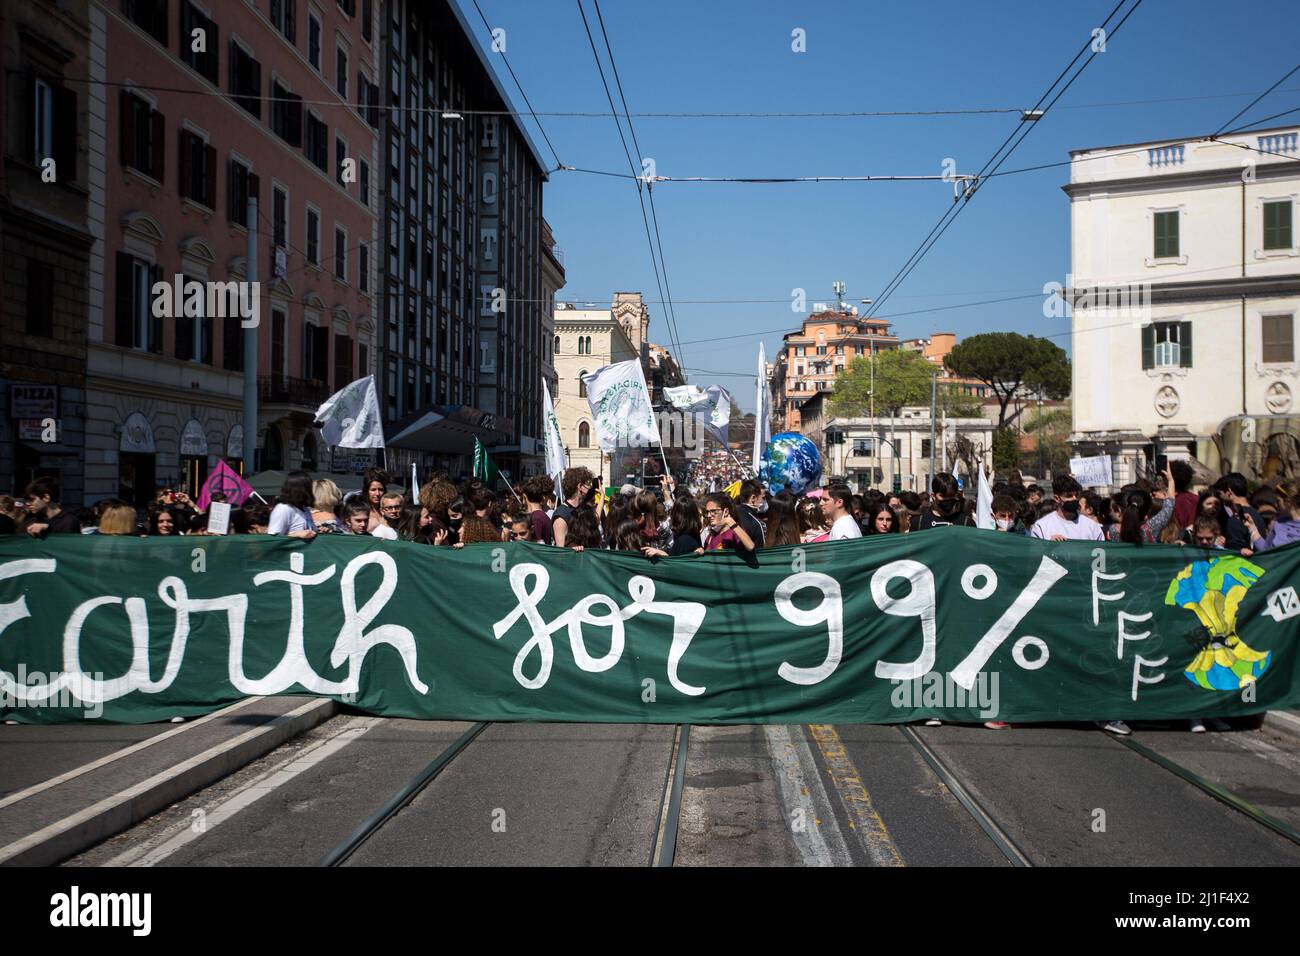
[(863, 818)]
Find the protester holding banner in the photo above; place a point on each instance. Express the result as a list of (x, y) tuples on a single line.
[(724, 531), (325, 502), (947, 507), (292, 514), (1286, 526), (1063, 522), (576, 485)]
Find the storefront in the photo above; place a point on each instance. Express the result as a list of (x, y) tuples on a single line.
[(137, 461), (193, 458)]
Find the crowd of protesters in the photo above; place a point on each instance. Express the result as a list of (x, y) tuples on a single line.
[(665, 522), (1227, 516)]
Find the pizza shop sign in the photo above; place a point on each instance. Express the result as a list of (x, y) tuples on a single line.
[(33, 401)]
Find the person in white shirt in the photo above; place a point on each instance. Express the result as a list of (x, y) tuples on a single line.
[(291, 515), (390, 507), (837, 503), (1064, 524)]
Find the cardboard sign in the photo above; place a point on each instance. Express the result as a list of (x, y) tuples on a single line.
[(219, 518), (1092, 472)]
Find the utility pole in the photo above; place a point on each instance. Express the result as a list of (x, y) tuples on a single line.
[(250, 347), (934, 395)]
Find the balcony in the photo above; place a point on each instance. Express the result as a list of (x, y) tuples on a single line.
[(1162, 156), (1278, 143), (283, 390)]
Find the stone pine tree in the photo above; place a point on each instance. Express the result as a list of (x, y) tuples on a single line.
[(1008, 362)]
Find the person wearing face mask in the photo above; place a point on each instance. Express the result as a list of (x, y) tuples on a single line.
[(946, 507), (1006, 515), (752, 504), (1064, 523)]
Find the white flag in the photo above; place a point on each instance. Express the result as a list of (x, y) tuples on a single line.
[(984, 502), (620, 405), (714, 401), (414, 490), (553, 443), (762, 412), (350, 417)]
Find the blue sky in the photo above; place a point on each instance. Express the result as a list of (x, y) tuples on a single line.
[(759, 242)]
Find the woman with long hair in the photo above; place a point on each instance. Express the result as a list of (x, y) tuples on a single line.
[(166, 522), (584, 529), (627, 536), (782, 520), (812, 523), (881, 519), (648, 512), (437, 498), (291, 515), (117, 519), (373, 486), (684, 521), (616, 509), (1137, 525)]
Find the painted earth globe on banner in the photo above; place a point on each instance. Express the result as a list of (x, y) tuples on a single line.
[(791, 463)]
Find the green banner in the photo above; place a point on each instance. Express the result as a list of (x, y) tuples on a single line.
[(954, 623)]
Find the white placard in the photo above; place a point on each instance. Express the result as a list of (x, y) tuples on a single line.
[(1092, 472), (219, 517)]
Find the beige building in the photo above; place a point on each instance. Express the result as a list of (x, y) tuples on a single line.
[(1184, 291), (586, 339)]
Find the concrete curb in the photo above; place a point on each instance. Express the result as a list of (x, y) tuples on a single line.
[(115, 813), (1283, 722)]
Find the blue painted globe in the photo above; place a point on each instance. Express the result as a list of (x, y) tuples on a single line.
[(791, 463)]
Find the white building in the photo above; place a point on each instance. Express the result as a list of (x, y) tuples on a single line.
[(868, 454), (1185, 286)]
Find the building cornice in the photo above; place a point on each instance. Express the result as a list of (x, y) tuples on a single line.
[(1250, 287), (1225, 176)]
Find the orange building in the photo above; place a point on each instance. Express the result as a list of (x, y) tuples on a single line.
[(811, 358)]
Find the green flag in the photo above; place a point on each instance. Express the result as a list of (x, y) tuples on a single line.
[(484, 469)]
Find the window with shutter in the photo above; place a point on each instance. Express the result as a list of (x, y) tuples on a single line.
[(1277, 225), (1278, 333), (157, 145), (153, 322), (313, 41), (342, 360), (232, 344), (40, 299), (210, 176), (237, 193), (65, 134), (313, 237), (184, 330), (123, 287), (185, 156), (1185, 344), (245, 80), (1166, 234)]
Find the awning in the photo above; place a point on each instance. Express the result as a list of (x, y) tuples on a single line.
[(268, 483), (449, 429)]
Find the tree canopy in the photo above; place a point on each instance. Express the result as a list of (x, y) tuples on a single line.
[(1009, 361), (902, 378)]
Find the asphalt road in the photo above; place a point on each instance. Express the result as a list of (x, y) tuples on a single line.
[(819, 795)]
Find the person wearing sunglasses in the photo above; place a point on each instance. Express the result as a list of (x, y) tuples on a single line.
[(724, 532)]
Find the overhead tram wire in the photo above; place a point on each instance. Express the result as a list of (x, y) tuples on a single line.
[(650, 193), (999, 156), (520, 87), (645, 220), (601, 114), (1248, 106)]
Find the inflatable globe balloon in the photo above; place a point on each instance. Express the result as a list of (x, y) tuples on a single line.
[(791, 463)]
